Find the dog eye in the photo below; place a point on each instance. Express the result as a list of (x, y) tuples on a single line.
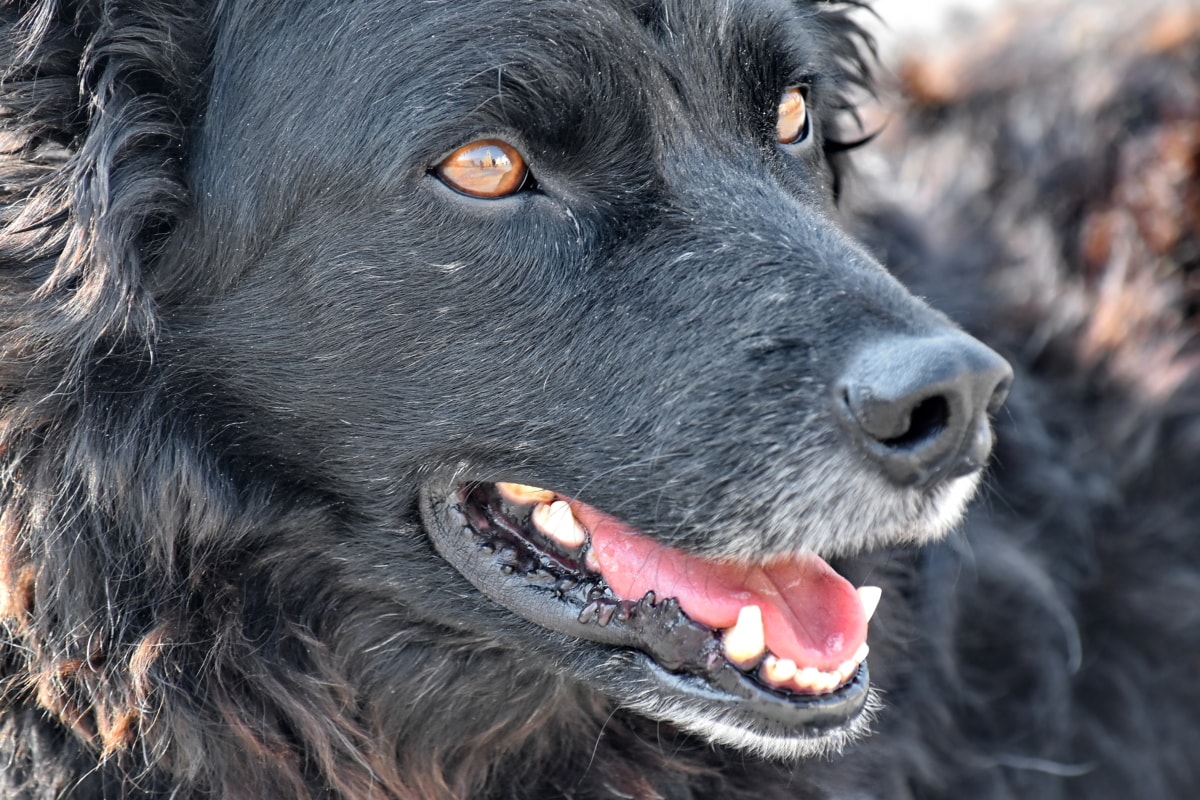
[(488, 168), (791, 126)]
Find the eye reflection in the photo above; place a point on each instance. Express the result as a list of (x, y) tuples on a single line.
[(489, 168)]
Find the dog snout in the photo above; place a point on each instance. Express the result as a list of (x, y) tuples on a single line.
[(919, 406)]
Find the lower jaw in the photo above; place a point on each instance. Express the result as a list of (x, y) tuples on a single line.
[(646, 655), (732, 726), (730, 709)]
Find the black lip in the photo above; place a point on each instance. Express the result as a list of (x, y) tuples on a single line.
[(680, 656)]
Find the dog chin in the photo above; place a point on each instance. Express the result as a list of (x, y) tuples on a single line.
[(754, 739), (948, 509)]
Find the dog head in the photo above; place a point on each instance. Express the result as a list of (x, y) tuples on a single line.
[(591, 250), (542, 310)]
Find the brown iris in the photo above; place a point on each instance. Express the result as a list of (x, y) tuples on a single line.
[(488, 168), (791, 125)]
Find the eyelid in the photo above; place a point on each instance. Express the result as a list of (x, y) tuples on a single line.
[(486, 168)]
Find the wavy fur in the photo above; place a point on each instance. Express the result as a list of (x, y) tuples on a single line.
[(181, 616)]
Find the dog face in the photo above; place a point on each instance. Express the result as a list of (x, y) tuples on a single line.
[(529, 325), (648, 309)]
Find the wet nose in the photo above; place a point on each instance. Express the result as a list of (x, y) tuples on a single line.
[(918, 407)]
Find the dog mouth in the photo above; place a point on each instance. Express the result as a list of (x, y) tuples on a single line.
[(781, 642)]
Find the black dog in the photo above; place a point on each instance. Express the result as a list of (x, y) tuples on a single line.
[(430, 400)]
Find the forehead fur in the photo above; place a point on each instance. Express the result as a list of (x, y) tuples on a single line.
[(569, 65), (587, 88)]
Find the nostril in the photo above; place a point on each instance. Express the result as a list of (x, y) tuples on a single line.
[(929, 418), (918, 407), (896, 422)]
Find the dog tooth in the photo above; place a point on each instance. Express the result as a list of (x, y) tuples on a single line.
[(830, 681), (745, 642), (591, 561), (520, 494), (850, 666), (778, 670), (815, 682), (807, 679), (556, 521), (869, 597)]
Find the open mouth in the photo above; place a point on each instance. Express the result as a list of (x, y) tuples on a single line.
[(783, 641)]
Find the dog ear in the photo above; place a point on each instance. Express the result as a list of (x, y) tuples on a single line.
[(96, 99), (95, 103)]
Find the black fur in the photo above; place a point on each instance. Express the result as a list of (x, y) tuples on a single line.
[(241, 326)]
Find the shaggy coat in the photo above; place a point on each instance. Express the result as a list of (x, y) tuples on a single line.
[(235, 342)]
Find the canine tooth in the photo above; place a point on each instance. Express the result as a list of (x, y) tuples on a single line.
[(591, 561), (520, 494), (745, 642), (556, 521), (778, 670), (869, 597), (860, 655)]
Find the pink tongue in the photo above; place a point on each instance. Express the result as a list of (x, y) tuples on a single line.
[(811, 614)]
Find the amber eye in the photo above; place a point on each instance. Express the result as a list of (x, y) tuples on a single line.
[(791, 126), (488, 168)]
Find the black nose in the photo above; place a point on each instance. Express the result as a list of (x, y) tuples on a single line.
[(919, 406)]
